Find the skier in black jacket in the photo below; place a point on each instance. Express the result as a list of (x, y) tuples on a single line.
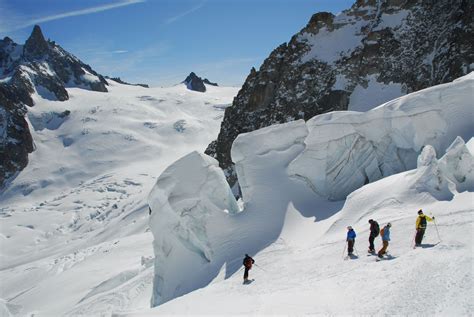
[(374, 232), (247, 262)]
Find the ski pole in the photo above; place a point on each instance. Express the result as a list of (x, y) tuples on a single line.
[(344, 251), (355, 249), (436, 226), (413, 242), (259, 267)]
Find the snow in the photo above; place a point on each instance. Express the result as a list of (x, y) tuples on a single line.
[(393, 20), (376, 93), (304, 272), (345, 150), (74, 236), (75, 231), (341, 83), (88, 77), (330, 45), (185, 196), (297, 236)]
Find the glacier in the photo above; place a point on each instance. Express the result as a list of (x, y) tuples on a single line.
[(345, 150)]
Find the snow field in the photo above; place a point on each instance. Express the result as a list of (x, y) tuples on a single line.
[(74, 223)]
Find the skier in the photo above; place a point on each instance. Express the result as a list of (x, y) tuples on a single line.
[(374, 232), (385, 234), (421, 226), (351, 235), (247, 262)]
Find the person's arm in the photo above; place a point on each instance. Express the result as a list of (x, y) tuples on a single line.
[(428, 218), (418, 222)]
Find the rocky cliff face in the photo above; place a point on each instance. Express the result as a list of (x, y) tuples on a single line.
[(42, 67), (368, 54)]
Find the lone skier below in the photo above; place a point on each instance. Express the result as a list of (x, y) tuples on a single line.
[(247, 262), (421, 226)]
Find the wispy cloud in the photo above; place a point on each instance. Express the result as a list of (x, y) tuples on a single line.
[(14, 22), (185, 13)]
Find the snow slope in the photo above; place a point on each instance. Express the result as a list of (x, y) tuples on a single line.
[(74, 223), (304, 270), (282, 212)]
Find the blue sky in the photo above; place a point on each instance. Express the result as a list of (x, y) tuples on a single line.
[(160, 41)]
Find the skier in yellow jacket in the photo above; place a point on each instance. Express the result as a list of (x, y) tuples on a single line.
[(421, 226)]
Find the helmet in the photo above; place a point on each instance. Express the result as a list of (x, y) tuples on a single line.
[(349, 228), (371, 220), (420, 212), (389, 224)]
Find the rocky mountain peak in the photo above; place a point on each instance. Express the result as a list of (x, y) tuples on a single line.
[(38, 67), (196, 83), (36, 45)]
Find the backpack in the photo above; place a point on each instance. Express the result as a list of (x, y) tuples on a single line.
[(376, 229), (248, 262), (423, 222)]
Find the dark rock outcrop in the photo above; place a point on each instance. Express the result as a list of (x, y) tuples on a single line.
[(39, 66), (196, 83), (15, 137), (405, 45), (120, 81), (206, 81)]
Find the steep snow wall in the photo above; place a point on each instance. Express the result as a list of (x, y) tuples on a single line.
[(187, 196), (344, 150)]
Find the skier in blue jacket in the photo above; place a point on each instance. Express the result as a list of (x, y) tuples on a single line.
[(351, 235), (385, 234)]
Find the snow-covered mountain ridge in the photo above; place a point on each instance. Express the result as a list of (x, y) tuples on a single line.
[(366, 55), (41, 67), (295, 167)]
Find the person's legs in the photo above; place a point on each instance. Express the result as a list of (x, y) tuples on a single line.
[(419, 236), (371, 243), (350, 246), (384, 249), (246, 274)]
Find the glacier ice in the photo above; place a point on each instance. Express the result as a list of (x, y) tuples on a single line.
[(345, 150), (186, 195)]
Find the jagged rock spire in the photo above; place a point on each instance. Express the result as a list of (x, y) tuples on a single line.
[(193, 82), (36, 45)]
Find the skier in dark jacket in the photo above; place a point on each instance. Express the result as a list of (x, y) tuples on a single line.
[(351, 235), (421, 226), (374, 232), (247, 262)]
